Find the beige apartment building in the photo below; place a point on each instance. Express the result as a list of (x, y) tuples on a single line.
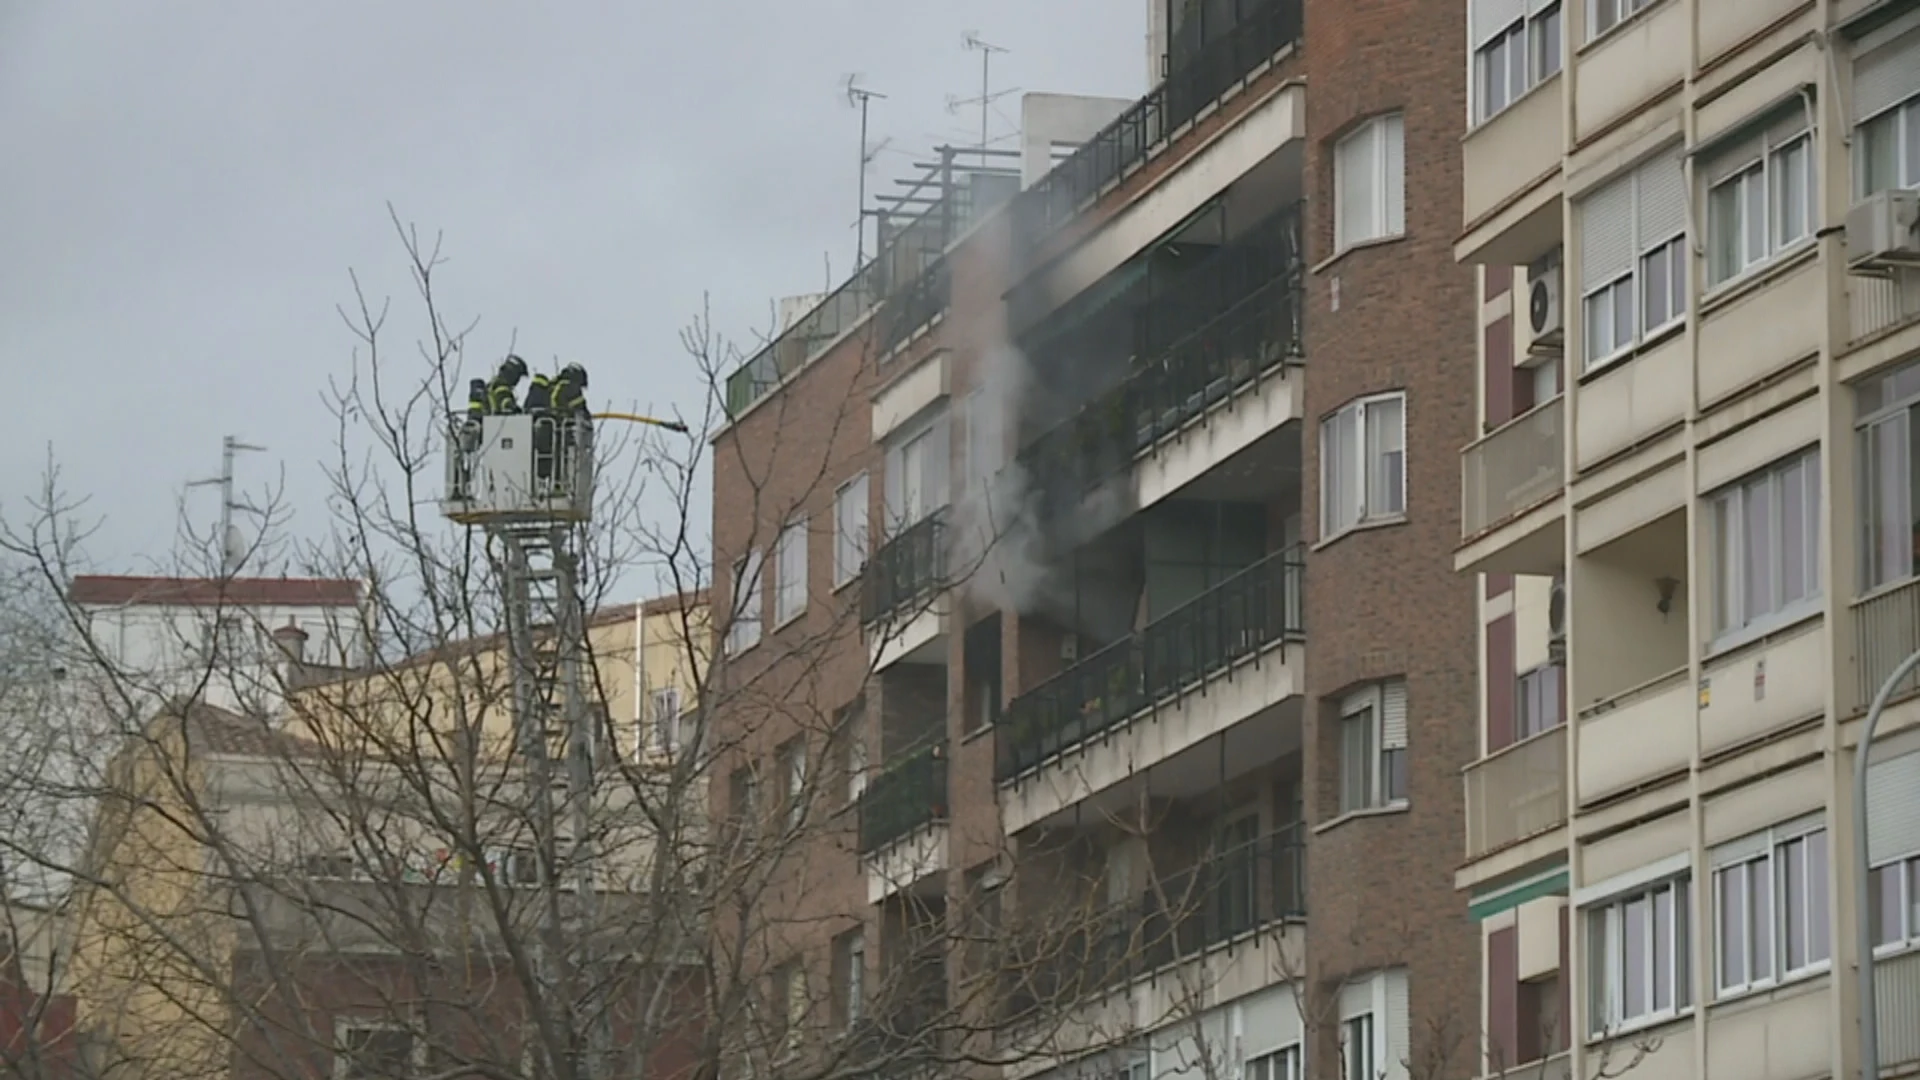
[(1692, 508)]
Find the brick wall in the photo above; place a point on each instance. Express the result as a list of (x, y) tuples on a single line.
[(1385, 601)]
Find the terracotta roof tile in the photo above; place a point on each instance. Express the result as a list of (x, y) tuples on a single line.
[(114, 590)]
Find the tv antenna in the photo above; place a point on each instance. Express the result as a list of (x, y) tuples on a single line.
[(232, 551), (860, 97), (973, 42)]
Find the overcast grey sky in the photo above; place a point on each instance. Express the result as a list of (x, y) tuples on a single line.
[(187, 184)]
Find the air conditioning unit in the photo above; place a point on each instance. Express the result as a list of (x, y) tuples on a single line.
[(1545, 320), (1883, 232), (1557, 623)]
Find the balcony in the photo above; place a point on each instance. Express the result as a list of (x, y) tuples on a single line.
[(1202, 73), (1225, 897), (1517, 792), (1635, 737), (906, 572), (1239, 619), (1886, 630), (908, 796), (1213, 334), (1878, 304), (1512, 494), (1512, 191)]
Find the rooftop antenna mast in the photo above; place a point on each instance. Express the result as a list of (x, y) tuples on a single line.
[(860, 97), (232, 552), (973, 42)]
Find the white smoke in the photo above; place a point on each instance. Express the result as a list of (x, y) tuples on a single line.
[(997, 543)]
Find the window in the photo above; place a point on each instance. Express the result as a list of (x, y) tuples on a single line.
[(1889, 478), (790, 573), (1370, 183), (852, 742), (1889, 149), (1770, 906), (1759, 198), (1373, 748), (1633, 264), (1766, 534), (1541, 700), (1518, 49), (849, 530), (793, 994), (1363, 464), (1886, 104), (1637, 952), (372, 1050), (665, 721), (743, 789), (793, 770), (1282, 1064), (334, 867), (1893, 901), (1356, 1048), (850, 976), (1604, 15), (917, 476), (745, 632)]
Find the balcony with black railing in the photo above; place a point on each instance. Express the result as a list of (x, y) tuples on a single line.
[(1203, 65), (907, 571), (1249, 613), (908, 795), (1258, 885), (1199, 340)]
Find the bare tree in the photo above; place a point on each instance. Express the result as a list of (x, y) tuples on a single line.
[(350, 870)]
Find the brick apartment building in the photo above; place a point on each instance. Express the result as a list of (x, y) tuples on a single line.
[(1693, 507), (1099, 534)]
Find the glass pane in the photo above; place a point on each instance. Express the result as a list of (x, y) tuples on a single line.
[(1889, 541), (1517, 62), (1757, 550), (1677, 278), (1726, 531), (1653, 284), (1880, 153), (1637, 954), (1723, 231), (1910, 119), (1760, 926), (1884, 905), (1733, 926), (1546, 43), (1599, 325), (1795, 508), (1790, 192), (1355, 190), (1819, 934), (1622, 314), (1663, 949), (1913, 898), (1599, 969), (1493, 77), (1756, 219)]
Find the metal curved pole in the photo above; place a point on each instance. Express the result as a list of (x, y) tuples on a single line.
[(1863, 873)]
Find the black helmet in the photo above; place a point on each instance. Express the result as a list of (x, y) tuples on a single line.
[(574, 374), (513, 367)]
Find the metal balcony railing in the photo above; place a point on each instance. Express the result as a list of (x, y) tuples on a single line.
[(915, 305), (1886, 630), (1199, 74), (1517, 792), (1514, 468), (907, 570), (908, 794), (1231, 893), (1242, 616)]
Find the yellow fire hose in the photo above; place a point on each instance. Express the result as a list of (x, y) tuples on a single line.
[(670, 425)]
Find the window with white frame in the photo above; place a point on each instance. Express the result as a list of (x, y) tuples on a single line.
[(1357, 1049), (1770, 906), (1888, 406), (1633, 262), (1893, 902), (1637, 957), (1516, 47), (1370, 183), (850, 530), (1373, 747), (664, 724), (790, 572), (1767, 544), (1541, 700), (850, 973), (1759, 197), (916, 475), (793, 768), (1604, 15), (1363, 464), (1886, 110), (747, 604), (1282, 1064)]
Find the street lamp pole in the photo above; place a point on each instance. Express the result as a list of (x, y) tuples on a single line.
[(1863, 873)]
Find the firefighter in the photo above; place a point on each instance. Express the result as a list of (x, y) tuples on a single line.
[(570, 392), (500, 400), (561, 403), (540, 393), (476, 400)]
